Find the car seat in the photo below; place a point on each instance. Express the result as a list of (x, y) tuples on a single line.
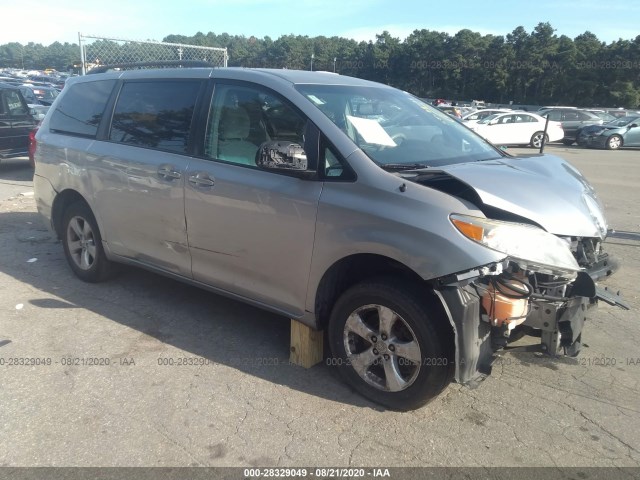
[(234, 130)]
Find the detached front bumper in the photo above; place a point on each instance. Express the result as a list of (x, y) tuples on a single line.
[(474, 351), (558, 320), (596, 141)]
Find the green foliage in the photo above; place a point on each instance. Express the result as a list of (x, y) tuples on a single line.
[(537, 67)]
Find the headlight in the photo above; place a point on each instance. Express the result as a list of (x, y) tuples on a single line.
[(535, 248)]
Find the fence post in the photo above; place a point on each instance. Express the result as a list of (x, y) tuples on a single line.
[(82, 54)]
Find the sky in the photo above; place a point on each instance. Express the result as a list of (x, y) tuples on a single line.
[(46, 21)]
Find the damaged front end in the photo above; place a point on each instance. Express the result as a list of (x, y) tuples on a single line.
[(544, 287)]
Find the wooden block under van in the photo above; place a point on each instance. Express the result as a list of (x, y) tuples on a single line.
[(306, 345)]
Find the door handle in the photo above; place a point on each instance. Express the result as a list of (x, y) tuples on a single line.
[(168, 172), (201, 179)]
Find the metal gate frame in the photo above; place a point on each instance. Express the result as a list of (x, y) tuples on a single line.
[(220, 54)]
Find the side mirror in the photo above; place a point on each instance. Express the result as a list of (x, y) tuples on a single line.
[(284, 157), (633, 125)]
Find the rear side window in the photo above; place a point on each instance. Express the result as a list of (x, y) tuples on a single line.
[(155, 114), (81, 108), (555, 115), (11, 103)]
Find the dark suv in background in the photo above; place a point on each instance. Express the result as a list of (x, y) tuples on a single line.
[(16, 122), (572, 119)]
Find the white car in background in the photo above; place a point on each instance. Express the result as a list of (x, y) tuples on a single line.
[(517, 128), (477, 115)]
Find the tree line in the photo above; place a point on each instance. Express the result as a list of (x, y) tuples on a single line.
[(537, 67)]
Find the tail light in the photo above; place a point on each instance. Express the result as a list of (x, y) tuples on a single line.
[(32, 147)]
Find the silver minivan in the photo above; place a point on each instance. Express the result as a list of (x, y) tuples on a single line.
[(347, 205)]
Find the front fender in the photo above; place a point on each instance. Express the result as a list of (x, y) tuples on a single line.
[(411, 227)]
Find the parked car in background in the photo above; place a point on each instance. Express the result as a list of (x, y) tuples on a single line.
[(16, 122), (571, 120), (475, 117), (517, 128), (622, 132)]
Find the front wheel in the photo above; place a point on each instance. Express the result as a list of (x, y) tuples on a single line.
[(387, 344), (614, 142), (536, 139), (567, 142), (83, 244)]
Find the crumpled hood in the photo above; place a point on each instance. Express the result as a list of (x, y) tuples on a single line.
[(544, 189)]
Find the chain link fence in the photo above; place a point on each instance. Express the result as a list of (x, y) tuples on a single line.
[(96, 51)]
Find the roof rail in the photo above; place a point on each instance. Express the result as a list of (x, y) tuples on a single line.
[(141, 65)]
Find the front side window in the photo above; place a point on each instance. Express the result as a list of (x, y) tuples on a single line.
[(155, 114), (395, 128), (570, 116), (241, 118), (82, 108)]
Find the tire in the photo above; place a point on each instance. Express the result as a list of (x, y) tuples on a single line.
[(614, 142), (82, 244), (401, 364), (536, 139), (568, 143)]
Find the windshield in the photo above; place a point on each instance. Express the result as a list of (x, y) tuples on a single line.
[(395, 128), (489, 118), (46, 94), (622, 122), (604, 116)]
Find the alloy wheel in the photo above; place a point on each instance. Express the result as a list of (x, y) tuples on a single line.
[(81, 243), (382, 348)]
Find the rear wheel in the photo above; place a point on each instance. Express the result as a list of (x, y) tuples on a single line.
[(387, 344), (614, 142), (536, 139), (83, 244)]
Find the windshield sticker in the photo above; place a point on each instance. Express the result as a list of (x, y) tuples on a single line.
[(371, 131), (316, 100)]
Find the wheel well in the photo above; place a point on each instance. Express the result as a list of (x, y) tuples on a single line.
[(60, 204), (351, 270)]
